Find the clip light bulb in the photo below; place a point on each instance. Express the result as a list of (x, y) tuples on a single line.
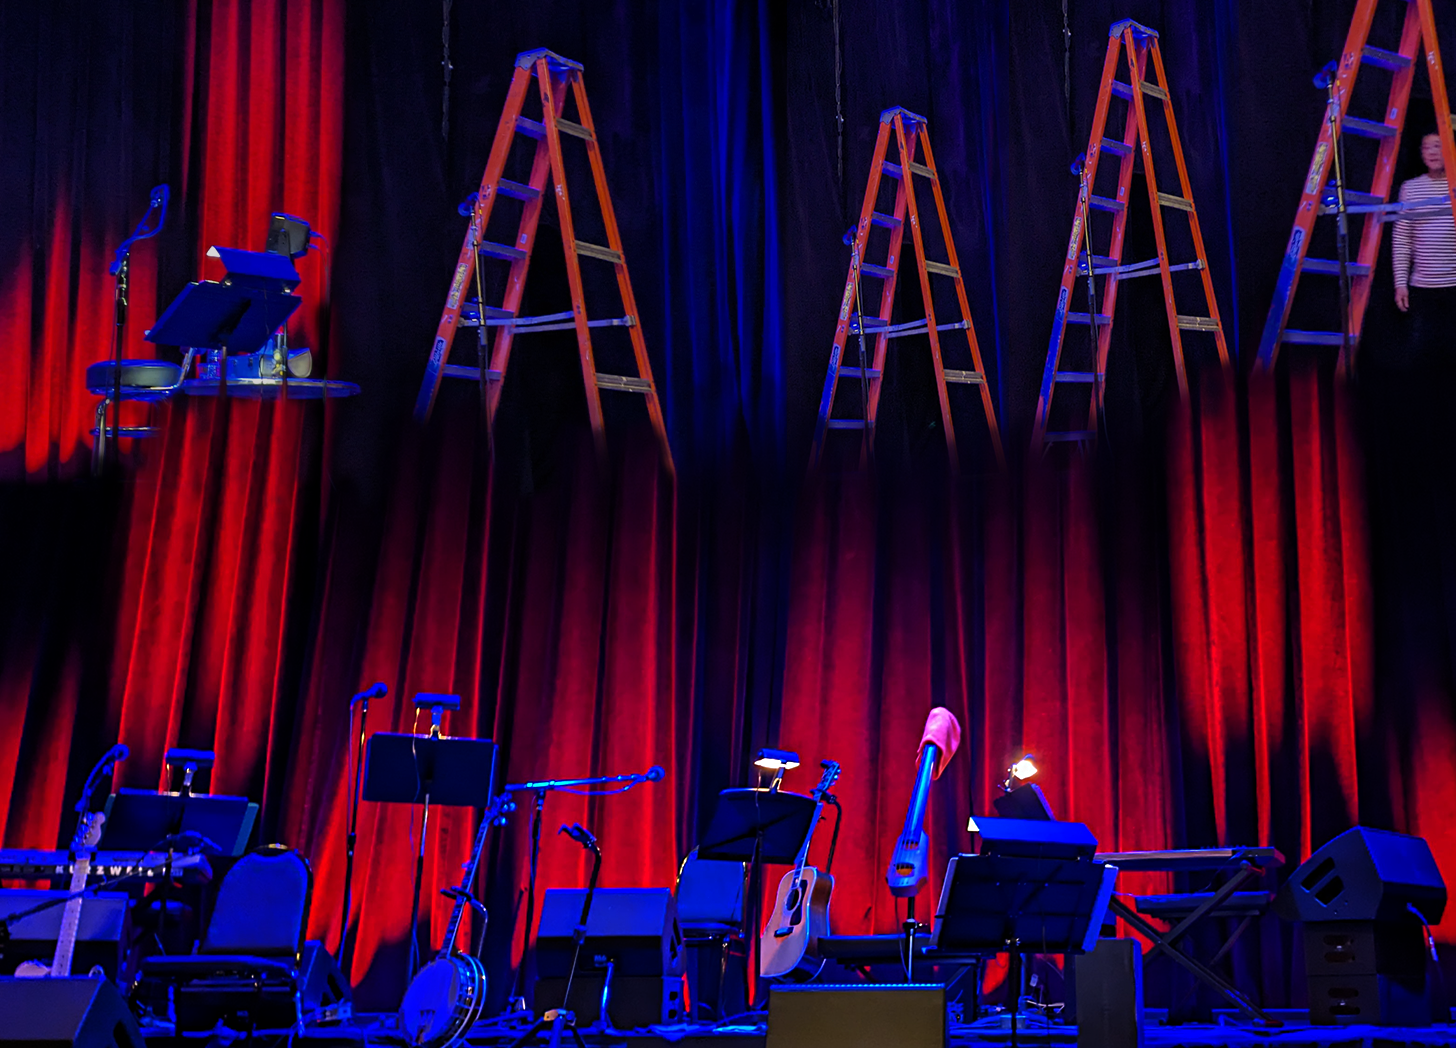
[(1023, 769)]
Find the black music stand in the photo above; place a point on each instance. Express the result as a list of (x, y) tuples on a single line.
[(140, 820), (757, 826), (428, 770), (990, 903), (238, 314)]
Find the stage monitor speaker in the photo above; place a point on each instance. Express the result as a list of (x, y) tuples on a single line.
[(1109, 992), (65, 1013), (1365, 875), (634, 929), (102, 930), (633, 1001), (861, 1015)]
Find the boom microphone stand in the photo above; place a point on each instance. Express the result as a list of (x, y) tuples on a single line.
[(346, 945), (1327, 79)]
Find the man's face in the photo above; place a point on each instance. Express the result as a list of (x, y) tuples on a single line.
[(1431, 152)]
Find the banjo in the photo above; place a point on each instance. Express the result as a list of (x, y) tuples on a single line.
[(446, 998)]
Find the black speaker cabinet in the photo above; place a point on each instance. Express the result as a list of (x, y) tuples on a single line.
[(65, 1013), (635, 930), (1365, 875), (861, 1015), (102, 930), (635, 1001), (1109, 985)]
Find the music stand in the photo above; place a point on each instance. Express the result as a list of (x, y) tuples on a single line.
[(995, 902), (427, 770), (756, 826), (140, 820)]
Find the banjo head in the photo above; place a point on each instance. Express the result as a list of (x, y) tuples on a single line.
[(443, 1001)]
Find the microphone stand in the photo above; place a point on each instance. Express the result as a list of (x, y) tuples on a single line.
[(517, 1001), (346, 945), (1330, 81)]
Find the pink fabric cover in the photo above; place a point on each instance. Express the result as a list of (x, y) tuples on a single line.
[(942, 729)]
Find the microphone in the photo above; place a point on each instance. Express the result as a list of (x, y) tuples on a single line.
[(157, 201), (1326, 76), (378, 691), (1078, 163), (908, 866), (655, 773), (579, 833)]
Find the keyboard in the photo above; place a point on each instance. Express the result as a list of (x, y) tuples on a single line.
[(1191, 859), (30, 864)]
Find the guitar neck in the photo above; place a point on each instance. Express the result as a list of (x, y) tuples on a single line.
[(802, 859), (71, 918)]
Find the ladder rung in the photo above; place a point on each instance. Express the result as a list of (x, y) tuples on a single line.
[(1070, 436), (876, 326), (500, 250), (1369, 128), (1086, 318), (1076, 376), (526, 126), (846, 423), (1386, 59), (855, 372), (1102, 203), (940, 269), (880, 219), (624, 383), (922, 170), (606, 254), (969, 378), (1125, 90), (1313, 338), (1181, 203), (1116, 147), (573, 129), (883, 272), (1331, 267), (461, 371), (517, 190), (1197, 323), (1132, 270), (563, 321), (893, 170)]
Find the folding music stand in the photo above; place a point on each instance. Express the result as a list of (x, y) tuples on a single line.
[(991, 903), (428, 770), (757, 826), (238, 314), (140, 820)]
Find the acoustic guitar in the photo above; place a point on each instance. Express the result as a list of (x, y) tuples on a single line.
[(447, 996), (800, 914), (88, 835)]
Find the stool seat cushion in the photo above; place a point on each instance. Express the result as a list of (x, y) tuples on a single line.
[(139, 378)]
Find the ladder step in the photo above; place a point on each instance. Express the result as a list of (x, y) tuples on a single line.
[(1181, 203), (461, 371), (855, 372), (1071, 436), (517, 190), (575, 130), (1152, 90), (1385, 59), (883, 272), (1369, 128), (922, 170), (1102, 203), (969, 378), (888, 221), (624, 383), (1097, 260), (940, 269), (1331, 267), (1086, 318), (500, 251), (1076, 376), (869, 324), (1313, 338), (470, 314), (526, 126), (1352, 197), (1197, 323), (846, 423), (606, 254), (1116, 147), (893, 170)]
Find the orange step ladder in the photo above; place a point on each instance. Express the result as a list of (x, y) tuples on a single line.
[(1320, 194), (556, 77), (909, 134), (1138, 45)]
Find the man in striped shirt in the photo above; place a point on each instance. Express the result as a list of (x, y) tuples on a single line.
[(1423, 250)]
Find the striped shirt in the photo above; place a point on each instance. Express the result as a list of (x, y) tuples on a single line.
[(1424, 248)]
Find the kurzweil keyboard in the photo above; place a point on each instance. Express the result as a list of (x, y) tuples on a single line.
[(28, 864), (1191, 859)]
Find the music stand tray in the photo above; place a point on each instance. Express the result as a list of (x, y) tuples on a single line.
[(742, 814), (138, 820), (404, 769)]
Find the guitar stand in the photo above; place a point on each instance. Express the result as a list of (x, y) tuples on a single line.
[(560, 1020)]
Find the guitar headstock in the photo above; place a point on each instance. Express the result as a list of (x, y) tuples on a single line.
[(88, 831), (827, 779)]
